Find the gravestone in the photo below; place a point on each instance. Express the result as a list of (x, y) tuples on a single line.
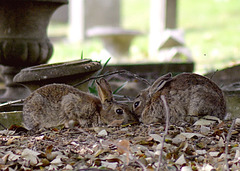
[(85, 14)]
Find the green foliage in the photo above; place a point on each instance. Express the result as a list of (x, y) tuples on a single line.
[(82, 55), (120, 87), (92, 88)]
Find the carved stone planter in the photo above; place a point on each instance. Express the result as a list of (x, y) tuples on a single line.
[(23, 39)]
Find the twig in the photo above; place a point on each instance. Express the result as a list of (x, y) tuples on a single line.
[(12, 102), (165, 132), (99, 76), (112, 73), (3, 126), (211, 77), (227, 143), (137, 77)]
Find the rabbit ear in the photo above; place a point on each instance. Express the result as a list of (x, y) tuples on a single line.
[(104, 90), (159, 83)]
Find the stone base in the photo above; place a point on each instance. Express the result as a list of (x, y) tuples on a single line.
[(10, 118)]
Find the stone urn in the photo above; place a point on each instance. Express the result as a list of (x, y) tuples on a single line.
[(23, 39)]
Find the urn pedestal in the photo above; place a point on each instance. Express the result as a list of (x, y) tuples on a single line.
[(23, 39)]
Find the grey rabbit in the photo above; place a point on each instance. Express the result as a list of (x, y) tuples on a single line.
[(188, 96), (57, 104)]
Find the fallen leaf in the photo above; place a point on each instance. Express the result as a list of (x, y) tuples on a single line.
[(186, 168), (214, 153), (103, 133), (204, 122), (191, 135), (207, 167), (201, 152), (178, 139), (123, 146), (109, 165), (221, 143), (181, 160), (204, 130), (156, 137), (30, 156)]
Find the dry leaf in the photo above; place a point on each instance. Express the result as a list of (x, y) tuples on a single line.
[(102, 133), (190, 135), (123, 146), (186, 168), (181, 160), (214, 153), (204, 122), (30, 156), (156, 137), (109, 165)]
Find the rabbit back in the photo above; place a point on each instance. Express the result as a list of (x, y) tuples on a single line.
[(55, 104), (187, 95)]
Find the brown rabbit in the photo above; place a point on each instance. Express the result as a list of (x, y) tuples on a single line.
[(187, 95), (57, 104)]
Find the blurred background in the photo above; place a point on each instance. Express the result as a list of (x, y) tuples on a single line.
[(211, 32)]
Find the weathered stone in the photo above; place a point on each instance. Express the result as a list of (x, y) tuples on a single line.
[(71, 73), (228, 80), (225, 76), (10, 118), (232, 95), (23, 39)]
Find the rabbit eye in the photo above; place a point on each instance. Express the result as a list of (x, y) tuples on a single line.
[(119, 111), (136, 104)]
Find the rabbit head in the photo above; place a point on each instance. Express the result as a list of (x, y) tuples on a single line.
[(145, 95), (111, 110), (188, 96)]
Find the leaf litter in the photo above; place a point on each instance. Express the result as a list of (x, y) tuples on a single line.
[(201, 146)]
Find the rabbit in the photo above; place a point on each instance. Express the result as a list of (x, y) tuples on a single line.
[(188, 96), (56, 104)]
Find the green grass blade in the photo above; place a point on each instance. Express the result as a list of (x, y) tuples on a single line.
[(120, 88)]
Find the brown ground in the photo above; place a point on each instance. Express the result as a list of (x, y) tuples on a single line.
[(130, 147)]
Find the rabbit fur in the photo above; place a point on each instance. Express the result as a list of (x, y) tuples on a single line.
[(57, 104), (188, 97)]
